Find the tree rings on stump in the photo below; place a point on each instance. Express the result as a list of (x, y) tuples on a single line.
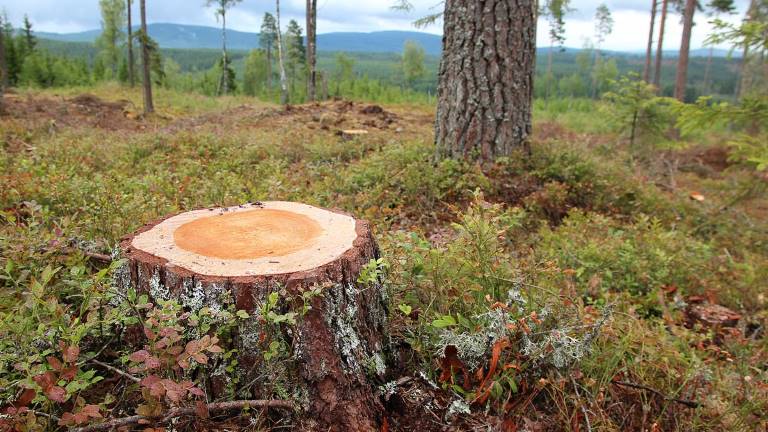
[(233, 258)]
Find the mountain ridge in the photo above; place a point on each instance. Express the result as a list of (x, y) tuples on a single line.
[(185, 36)]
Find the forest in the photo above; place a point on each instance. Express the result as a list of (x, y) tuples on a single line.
[(505, 237)]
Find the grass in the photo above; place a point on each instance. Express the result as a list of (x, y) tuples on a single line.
[(579, 231)]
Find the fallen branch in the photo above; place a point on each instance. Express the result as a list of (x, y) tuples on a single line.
[(106, 259), (116, 370), (179, 412), (688, 403)]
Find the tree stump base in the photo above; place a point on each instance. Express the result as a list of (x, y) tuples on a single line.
[(222, 258)]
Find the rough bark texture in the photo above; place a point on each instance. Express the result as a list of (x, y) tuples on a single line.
[(131, 62), (312, 49), (338, 346), (649, 49), (685, 47), (660, 44), (486, 78), (149, 106)]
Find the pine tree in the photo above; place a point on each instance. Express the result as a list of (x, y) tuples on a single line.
[(227, 74), (649, 49), (311, 49), (660, 45), (413, 62), (280, 57), (267, 40), (554, 11), (112, 36), (30, 41), (685, 46), (296, 53), (255, 75), (131, 61), (149, 106), (603, 28), (3, 68)]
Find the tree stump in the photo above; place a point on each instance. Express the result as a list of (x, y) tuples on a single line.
[(238, 256)]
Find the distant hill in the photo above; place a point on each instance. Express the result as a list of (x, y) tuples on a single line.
[(189, 36)]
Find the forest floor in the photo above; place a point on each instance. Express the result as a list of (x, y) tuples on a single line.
[(672, 243)]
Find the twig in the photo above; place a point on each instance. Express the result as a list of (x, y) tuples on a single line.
[(688, 403), (583, 410), (116, 370), (178, 412), (42, 414)]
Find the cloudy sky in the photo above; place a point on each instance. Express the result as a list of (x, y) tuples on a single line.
[(630, 16)]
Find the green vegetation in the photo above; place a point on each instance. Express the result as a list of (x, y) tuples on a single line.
[(555, 276)]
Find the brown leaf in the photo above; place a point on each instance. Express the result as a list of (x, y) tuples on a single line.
[(201, 409)]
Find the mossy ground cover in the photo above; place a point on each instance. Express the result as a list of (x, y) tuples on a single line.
[(555, 278)]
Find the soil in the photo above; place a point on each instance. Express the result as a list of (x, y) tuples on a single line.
[(81, 111)]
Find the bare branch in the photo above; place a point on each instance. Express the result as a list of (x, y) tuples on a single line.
[(178, 412), (116, 370), (688, 403)]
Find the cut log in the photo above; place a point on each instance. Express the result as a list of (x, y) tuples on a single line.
[(237, 256)]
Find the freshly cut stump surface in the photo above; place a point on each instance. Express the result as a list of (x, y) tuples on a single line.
[(234, 257)]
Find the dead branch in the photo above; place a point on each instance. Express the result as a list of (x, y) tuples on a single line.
[(685, 402), (179, 412), (116, 370)]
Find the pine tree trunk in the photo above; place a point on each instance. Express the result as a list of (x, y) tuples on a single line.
[(224, 79), (598, 63), (283, 78), (236, 258), (312, 49), (685, 46), (485, 86), (743, 83), (660, 44), (269, 69), (149, 106), (707, 70), (3, 68), (131, 65), (649, 49)]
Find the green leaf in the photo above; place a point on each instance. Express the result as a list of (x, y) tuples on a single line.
[(242, 314), (444, 321), (405, 309)]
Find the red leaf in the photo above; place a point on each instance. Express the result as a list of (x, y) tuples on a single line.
[(152, 363), (92, 411), (69, 373), (45, 380), (25, 398), (67, 419), (139, 356), (71, 354), (56, 394), (54, 363), (150, 381)]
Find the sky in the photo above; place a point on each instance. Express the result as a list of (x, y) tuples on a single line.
[(630, 31)]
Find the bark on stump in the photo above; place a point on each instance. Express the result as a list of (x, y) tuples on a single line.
[(239, 255)]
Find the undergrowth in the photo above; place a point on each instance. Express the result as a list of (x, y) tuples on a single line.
[(536, 288)]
